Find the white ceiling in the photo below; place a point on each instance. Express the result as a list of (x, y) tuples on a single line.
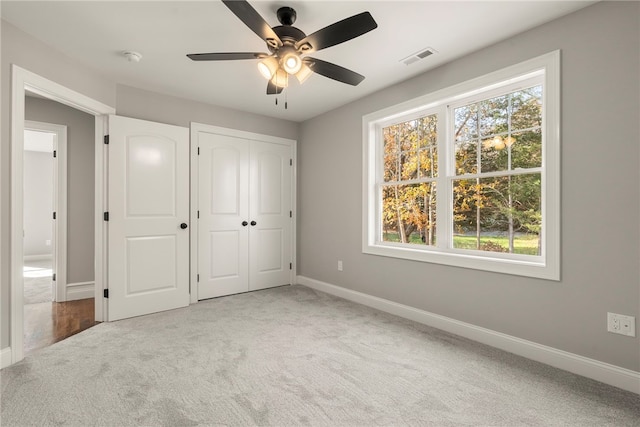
[(96, 33)]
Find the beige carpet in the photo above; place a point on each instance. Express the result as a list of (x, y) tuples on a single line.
[(294, 356)]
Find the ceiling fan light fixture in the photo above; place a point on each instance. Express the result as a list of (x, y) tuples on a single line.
[(291, 63), (268, 67), (304, 73)]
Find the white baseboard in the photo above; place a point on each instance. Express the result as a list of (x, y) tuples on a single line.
[(41, 257), (5, 357), (604, 372), (80, 290)]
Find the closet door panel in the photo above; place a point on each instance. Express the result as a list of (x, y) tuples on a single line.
[(223, 253), (270, 206)]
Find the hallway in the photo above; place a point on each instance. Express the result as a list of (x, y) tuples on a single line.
[(47, 322)]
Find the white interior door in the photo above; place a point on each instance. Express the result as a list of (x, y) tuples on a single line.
[(271, 219), (223, 178), (148, 199)]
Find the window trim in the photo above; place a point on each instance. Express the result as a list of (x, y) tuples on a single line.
[(546, 266)]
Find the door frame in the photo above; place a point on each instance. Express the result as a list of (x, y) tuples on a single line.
[(22, 81), (200, 127), (59, 203)]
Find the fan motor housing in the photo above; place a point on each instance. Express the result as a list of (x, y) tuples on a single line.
[(288, 34)]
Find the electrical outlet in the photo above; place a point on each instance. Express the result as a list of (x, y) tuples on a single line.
[(339, 265), (621, 324)]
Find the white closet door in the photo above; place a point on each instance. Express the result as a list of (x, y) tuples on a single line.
[(223, 253), (270, 212), (148, 217)]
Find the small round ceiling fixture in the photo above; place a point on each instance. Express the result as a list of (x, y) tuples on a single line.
[(132, 56)]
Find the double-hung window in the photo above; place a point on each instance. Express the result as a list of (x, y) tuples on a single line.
[(469, 176)]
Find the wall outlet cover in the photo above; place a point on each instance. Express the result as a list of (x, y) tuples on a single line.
[(621, 324)]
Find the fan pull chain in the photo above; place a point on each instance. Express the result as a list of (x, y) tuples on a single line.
[(285, 98)]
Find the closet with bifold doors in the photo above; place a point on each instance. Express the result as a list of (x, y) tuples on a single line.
[(244, 211)]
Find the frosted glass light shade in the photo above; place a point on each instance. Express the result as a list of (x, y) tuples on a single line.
[(268, 67), (281, 78), (291, 63), (508, 141), (304, 73), (498, 143)]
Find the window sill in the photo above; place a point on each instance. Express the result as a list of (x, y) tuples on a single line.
[(519, 265)]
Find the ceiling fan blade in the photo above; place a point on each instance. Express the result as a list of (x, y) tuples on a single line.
[(334, 71), (273, 89), (226, 56), (252, 19), (337, 33)]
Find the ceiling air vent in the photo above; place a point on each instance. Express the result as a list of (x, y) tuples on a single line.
[(415, 57)]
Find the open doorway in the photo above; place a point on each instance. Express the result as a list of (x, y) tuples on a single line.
[(58, 205), (40, 191), (45, 212), (24, 81), (48, 317)]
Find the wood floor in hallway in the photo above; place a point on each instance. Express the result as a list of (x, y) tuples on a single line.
[(49, 322)]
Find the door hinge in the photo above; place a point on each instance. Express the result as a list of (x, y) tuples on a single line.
[(106, 139), (198, 151), (105, 293), (54, 215), (290, 214), (54, 277), (198, 277), (290, 162), (105, 216), (54, 153), (198, 214), (290, 266)]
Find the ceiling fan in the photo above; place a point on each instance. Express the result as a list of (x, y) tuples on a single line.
[(287, 44)]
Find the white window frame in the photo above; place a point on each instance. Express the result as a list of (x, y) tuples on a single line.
[(545, 266)]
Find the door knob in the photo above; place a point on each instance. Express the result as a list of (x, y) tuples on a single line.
[(245, 223), (253, 223), (183, 225)]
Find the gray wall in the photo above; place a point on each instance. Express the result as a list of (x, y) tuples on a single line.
[(38, 202), (600, 187), (80, 181)]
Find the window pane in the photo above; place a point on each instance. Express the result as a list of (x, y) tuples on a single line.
[(390, 153), (428, 155), (494, 155), (466, 157), (526, 108), (410, 149), (526, 150), (409, 165), (428, 160), (466, 123), (408, 135), (499, 214), (494, 115), (428, 130), (409, 213)]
